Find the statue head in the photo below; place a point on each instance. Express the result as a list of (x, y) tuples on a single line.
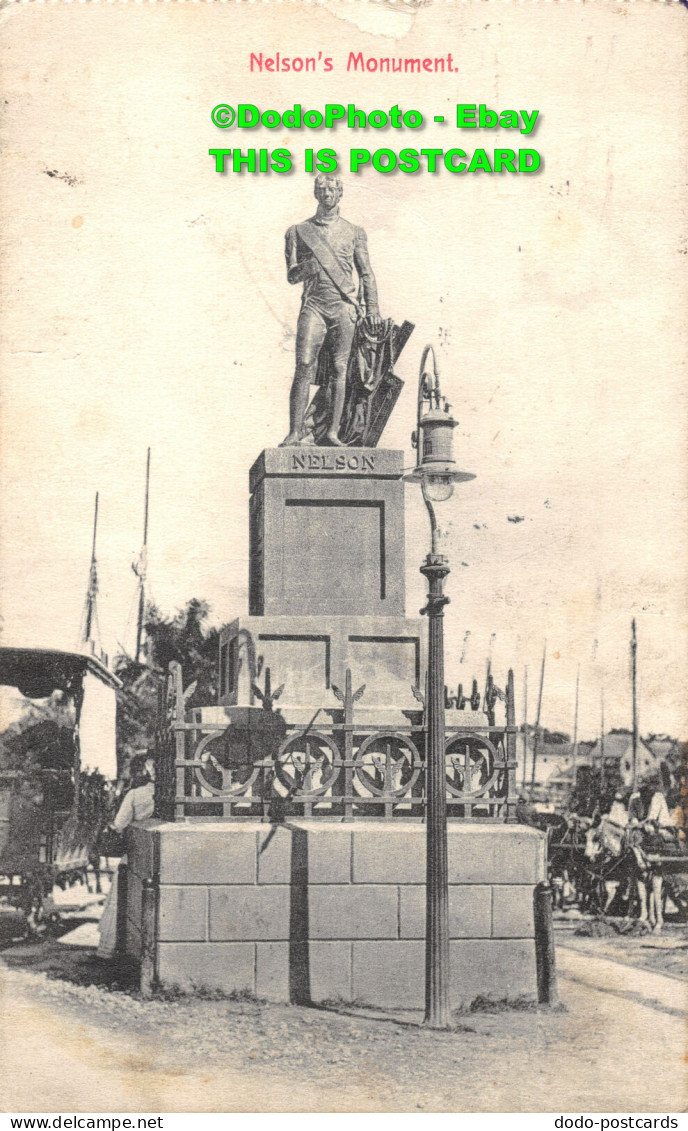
[(328, 189)]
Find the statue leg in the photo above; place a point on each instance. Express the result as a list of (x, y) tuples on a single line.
[(310, 335), (342, 336), (298, 403), (338, 394)]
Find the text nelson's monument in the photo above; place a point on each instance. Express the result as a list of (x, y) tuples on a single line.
[(339, 824)]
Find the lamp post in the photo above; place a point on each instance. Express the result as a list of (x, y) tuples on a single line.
[(436, 472)]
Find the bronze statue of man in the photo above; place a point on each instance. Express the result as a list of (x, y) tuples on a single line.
[(322, 254)]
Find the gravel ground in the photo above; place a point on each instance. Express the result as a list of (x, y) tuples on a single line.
[(74, 1042)]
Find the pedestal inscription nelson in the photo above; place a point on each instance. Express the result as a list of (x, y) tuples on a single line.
[(327, 533)]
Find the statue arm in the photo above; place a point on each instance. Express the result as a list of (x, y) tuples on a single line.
[(365, 274), (297, 272)]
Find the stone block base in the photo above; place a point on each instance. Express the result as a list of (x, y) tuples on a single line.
[(314, 910)]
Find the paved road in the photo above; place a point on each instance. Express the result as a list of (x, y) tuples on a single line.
[(618, 1047)]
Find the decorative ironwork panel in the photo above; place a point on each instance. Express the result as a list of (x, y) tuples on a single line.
[(270, 768)]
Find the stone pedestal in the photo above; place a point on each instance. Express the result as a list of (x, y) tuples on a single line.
[(326, 586), (317, 910), (334, 907), (327, 533), (307, 655)]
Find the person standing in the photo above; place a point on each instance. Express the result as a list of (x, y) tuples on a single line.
[(138, 805), (618, 812), (659, 810)]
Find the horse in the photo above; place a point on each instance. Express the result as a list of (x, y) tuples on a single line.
[(609, 869), (619, 872)]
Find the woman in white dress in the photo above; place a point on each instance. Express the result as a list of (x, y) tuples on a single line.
[(136, 806)]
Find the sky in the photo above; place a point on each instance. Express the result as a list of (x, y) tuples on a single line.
[(145, 303)]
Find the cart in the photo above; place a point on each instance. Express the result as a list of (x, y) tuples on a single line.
[(53, 807)]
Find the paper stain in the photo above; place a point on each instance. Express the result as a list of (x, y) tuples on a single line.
[(383, 18), (563, 231), (77, 221), (66, 177)]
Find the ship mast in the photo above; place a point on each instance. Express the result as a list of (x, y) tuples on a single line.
[(634, 688), (141, 567), (602, 771), (574, 758), (536, 739), (525, 725), (90, 615)]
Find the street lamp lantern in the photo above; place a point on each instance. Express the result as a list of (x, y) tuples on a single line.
[(433, 440), (436, 472)]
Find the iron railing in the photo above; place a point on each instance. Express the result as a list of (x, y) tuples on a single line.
[(263, 766)]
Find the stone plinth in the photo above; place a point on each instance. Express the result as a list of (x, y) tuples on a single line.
[(316, 910), (326, 532), (308, 654)]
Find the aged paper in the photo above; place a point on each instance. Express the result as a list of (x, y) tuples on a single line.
[(145, 304)]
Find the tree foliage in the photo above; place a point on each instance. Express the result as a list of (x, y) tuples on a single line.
[(554, 737), (189, 640), (41, 738), (185, 638), (40, 744)]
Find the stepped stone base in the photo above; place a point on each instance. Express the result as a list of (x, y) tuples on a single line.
[(316, 910), (307, 655)]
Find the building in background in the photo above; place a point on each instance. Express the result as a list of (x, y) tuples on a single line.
[(558, 762)]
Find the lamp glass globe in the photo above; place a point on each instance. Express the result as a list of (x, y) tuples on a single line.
[(439, 487)]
